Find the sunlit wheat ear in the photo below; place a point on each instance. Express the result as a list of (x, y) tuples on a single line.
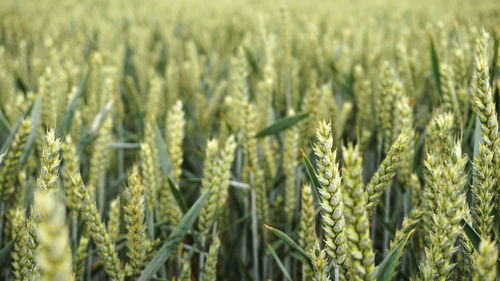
[(450, 177), (99, 234), (12, 160), (320, 263), (114, 218), (22, 256), (47, 180), (290, 154), (485, 104), (175, 133), (186, 268), (483, 188), (70, 170), (211, 182), (383, 176), (331, 196), (53, 253), (359, 242), (209, 273), (486, 266), (404, 114), (134, 216), (307, 231), (80, 261)]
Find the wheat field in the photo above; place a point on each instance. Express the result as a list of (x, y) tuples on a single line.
[(249, 140)]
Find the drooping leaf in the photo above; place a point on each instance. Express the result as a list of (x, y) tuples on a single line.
[(171, 245), (285, 238), (386, 269), (281, 125)]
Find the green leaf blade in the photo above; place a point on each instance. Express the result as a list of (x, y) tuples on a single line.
[(386, 269), (281, 125), (177, 196), (170, 246), (285, 238)]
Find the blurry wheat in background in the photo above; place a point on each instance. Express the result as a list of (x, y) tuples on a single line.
[(249, 140)]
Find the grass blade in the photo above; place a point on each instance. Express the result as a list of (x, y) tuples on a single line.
[(281, 125), (434, 62), (172, 243), (474, 238), (35, 121), (165, 164), (496, 226), (312, 175), (5, 253), (493, 70), (278, 261), (13, 132), (386, 269), (177, 196), (3, 121)]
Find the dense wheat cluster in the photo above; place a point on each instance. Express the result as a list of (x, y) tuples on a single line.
[(249, 140)]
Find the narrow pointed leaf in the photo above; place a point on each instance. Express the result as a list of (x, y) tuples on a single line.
[(386, 269), (13, 132), (281, 125), (285, 238), (474, 238), (163, 156), (171, 245), (493, 70), (496, 226), (177, 196), (312, 175), (5, 253), (278, 261), (3, 121), (434, 62), (35, 122)]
